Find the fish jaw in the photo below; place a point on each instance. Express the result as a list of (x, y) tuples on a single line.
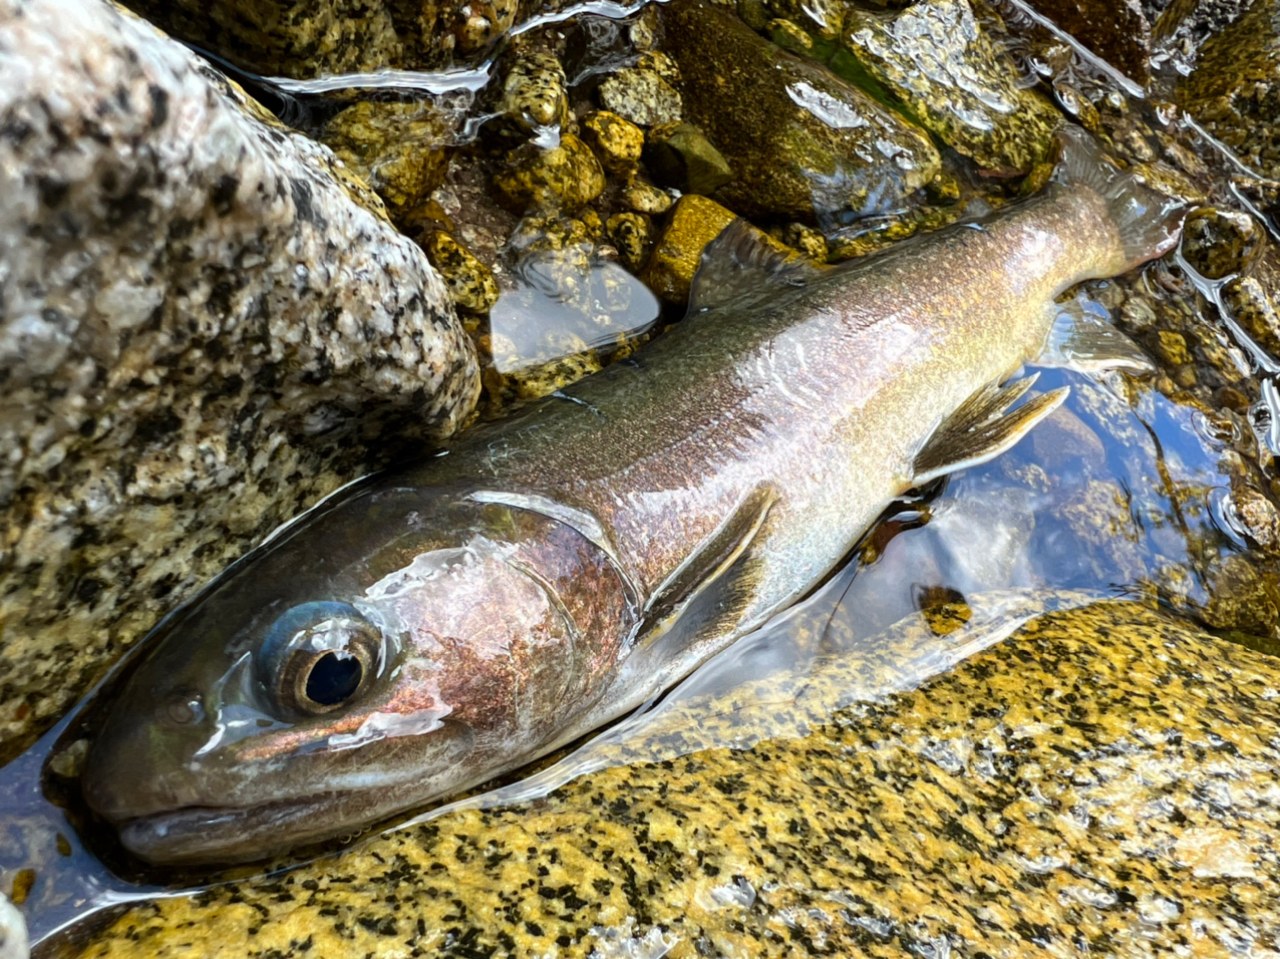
[(474, 624)]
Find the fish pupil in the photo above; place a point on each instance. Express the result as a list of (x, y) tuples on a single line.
[(334, 679)]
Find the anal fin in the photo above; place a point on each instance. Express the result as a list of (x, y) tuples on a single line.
[(982, 428)]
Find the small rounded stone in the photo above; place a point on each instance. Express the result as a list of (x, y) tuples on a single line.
[(1259, 516), (642, 96), (632, 234), (617, 142), (1219, 243), (535, 93), (566, 176), (1249, 304), (695, 222), (647, 198), (471, 284)]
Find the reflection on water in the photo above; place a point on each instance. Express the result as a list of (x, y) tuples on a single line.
[(563, 302)]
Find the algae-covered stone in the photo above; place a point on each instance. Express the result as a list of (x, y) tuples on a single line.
[(398, 148), (535, 92), (695, 222), (617, 142), (938, 61), (1235, 87), (821, 19), (470, 283), (565, 176), (642, 96), (1065, 787), (1249, 304), (308, 38), (801, 143), (205, 319), (1219, 242), (680, 155)]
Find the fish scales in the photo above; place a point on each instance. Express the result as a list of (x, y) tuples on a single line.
[(432, 627)]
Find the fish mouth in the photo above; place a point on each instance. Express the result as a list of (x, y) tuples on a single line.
[(211, 835)]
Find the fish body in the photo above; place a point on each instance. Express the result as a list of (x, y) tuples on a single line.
[(431, 627)]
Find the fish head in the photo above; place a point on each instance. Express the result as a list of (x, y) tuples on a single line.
[(386, 650)]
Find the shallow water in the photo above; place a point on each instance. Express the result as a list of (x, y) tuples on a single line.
[(1123, 493)]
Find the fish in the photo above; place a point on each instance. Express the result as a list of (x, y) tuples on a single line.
[(433, 626)]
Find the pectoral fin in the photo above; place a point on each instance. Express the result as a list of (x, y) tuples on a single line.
[(710, 575), (982, 428)]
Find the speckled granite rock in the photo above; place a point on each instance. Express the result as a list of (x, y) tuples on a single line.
[(397, 148), (801, 143), (1064, 792), (199, 315)]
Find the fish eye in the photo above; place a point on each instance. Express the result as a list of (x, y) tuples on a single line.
[(318, 657)]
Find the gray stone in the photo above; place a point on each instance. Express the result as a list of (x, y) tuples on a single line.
[(205, 321)]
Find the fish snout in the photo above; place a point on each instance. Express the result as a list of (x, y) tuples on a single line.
[(136, 765)]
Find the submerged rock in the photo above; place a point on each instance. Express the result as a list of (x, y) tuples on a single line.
[(397, 148), (1218, 243), (937, 60), (801, 142), (1002, 802), (201, 315), (694, 223), (535, 93), (1235, 87), (641, 95), (564, 176), (1115, 30), (304, 38), (617, 142), (471, 284)]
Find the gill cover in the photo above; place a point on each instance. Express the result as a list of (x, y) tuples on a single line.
[(388, 648)]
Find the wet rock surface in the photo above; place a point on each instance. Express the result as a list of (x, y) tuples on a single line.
[(205, 319), (936, 59), (800, 142), (304, 39), (1116, 30), (965, 814), (1234, 89)]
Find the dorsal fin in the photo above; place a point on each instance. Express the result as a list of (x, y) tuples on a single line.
[(743, 263)]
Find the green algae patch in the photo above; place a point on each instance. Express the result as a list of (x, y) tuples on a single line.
[(1064, 784)]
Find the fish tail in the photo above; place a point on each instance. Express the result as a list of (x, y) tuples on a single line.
[(1147, 221)]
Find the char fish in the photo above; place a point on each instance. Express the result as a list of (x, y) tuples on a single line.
[(428, 628)]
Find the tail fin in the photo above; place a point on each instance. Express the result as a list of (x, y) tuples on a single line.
[(1148, 222)]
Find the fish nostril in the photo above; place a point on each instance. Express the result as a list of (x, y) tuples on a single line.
[(182, 707)]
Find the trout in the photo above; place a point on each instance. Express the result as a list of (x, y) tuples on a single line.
[(430, 627)]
